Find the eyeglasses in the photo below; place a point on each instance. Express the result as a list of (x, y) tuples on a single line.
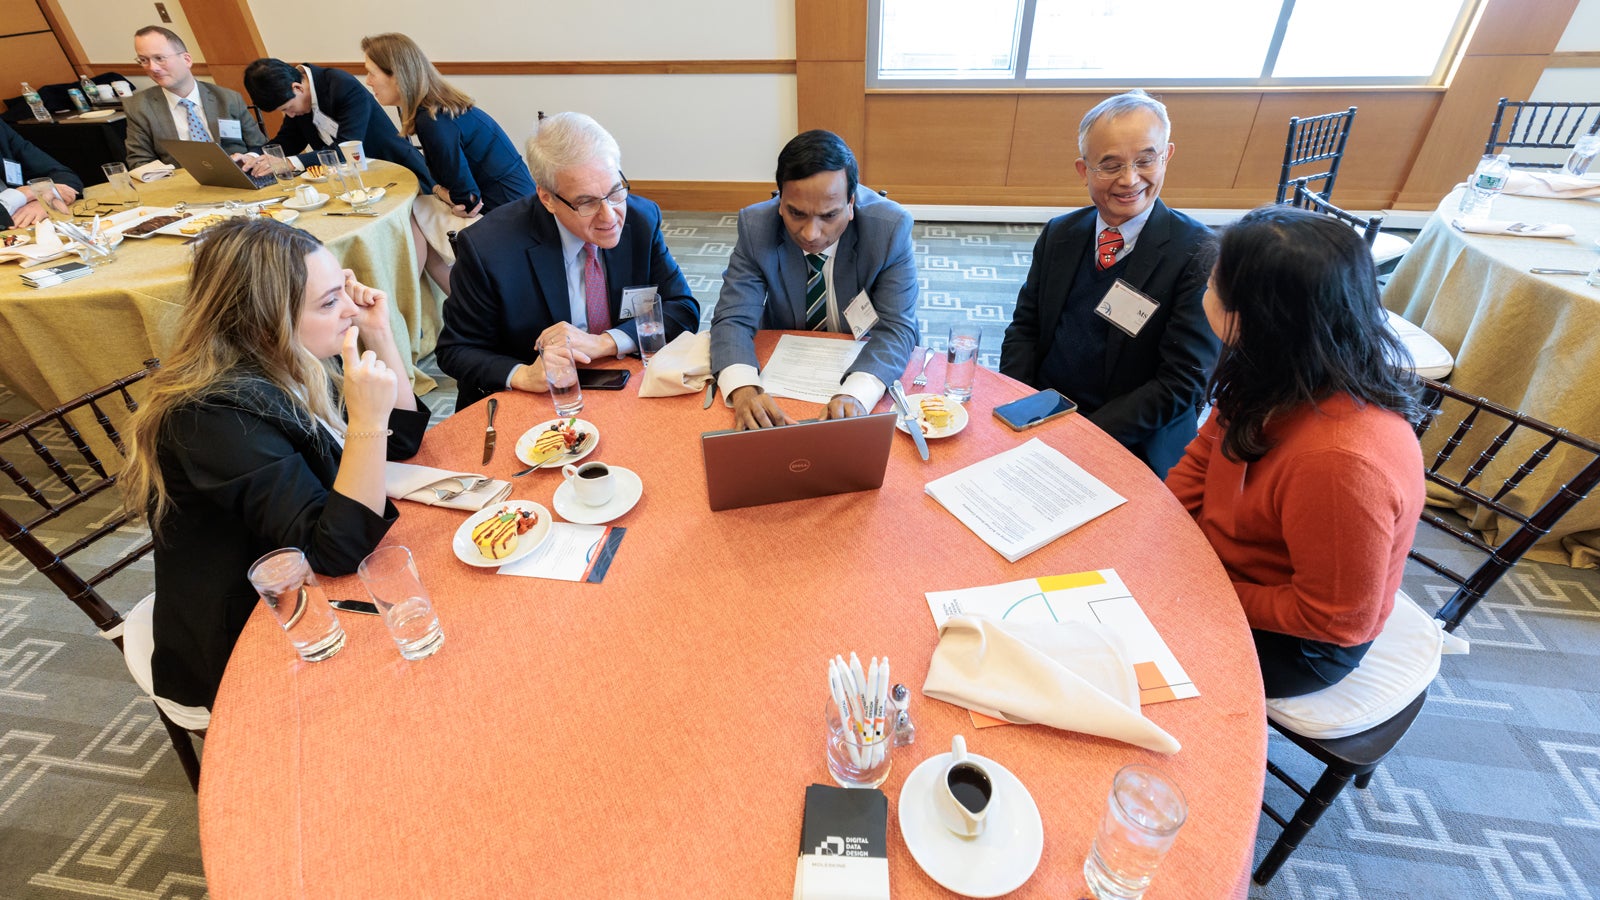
[(1144, 165), (589, 206), (146, 61), (87, 208)]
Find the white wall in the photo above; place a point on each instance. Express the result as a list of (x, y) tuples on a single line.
[(106, 27), (1582, 36)]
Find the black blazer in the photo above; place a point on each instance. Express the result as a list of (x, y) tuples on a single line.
[(246, 476), (509, 284), (35, 163), (472, 156), (347, 101), (1156, 381)]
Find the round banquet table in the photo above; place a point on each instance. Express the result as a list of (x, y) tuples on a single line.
[(653, 735), (1523, 340), (63, 341)]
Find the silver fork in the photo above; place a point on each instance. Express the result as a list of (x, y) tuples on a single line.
[(922, 377)]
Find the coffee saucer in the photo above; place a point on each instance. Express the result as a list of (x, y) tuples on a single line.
[(992, 864), (294, 203), (629, 490)]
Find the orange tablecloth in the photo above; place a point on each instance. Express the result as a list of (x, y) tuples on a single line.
[(653, 735)]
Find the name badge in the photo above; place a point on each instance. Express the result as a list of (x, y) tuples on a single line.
[(13, 172), (860, 315), (630, 300), (229, 128), (1126, 308)]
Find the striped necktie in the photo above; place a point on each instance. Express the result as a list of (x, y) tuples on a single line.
[(197, 125), (1107, 248), (594, 291), (816, 293)]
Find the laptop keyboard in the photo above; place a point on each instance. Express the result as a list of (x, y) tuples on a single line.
[(261, 181)]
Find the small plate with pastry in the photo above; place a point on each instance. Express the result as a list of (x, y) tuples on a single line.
[(553, 444), (318, 174), (501, 533), (938, 415)]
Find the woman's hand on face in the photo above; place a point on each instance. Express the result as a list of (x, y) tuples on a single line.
[(372, 307), (369, 386)]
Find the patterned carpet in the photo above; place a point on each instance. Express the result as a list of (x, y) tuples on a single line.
[(1494, 793)]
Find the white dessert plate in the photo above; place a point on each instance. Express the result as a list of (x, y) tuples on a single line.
[(958, 417), (467, 551), (629, 489), (316, 179), (374, 194), (992, 864), (131, 218), (98, 114), (525, 443), (294, 203)]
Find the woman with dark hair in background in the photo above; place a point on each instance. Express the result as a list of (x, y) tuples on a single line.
[(1307, 479), (239, 447), (474, 163)]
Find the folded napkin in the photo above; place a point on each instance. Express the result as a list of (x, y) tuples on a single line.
[(439, 487), (1551, 184), (153, 170), (681, 367), (1069, 675), (1519, 229), (47, 245)]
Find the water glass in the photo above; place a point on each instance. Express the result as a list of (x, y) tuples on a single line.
[(562, 374), (282, 169), (44, 190), (122, 190), (647, 319), (356, 193), (1143, 814), (855, 760), (289, 588), (1583, 154), (390, 576), (329, 161), (961, 361)]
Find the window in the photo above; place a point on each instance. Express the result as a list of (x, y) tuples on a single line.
[(1061, 43)]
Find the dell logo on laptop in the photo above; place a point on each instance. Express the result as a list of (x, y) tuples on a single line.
[(799, 465)]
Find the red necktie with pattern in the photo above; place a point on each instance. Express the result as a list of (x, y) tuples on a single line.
[(1107, 248), (594, 288)]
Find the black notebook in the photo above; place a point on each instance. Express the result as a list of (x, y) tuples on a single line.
[(843, 854)]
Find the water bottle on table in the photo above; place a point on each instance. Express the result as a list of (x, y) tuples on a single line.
[(35, 103), (1583, 153), (1486, 184)]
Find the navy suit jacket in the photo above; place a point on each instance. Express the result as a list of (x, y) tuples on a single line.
[(35, 163), (150, 120), (509, 284), (471, 155), (764, 286), (1155, 381), (348, 102)]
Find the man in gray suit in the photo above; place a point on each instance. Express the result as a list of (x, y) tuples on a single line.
[(181, 106), (824, 255)]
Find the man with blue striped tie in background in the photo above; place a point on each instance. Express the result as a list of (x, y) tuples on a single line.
[(826, 254)]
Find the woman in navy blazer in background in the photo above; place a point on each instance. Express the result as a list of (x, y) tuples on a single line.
[(474, 163)]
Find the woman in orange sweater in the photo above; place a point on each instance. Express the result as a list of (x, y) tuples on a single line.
[(1307, 479)]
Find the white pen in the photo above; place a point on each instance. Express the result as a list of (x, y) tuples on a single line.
[(837, 688), (872, 712), (860, 677), (881, 726)]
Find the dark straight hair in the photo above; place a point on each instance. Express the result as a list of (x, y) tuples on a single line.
[(1308, 325), (270, 83), (817, 151)]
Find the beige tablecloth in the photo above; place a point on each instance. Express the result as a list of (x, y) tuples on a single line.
[(62, 341), (1529, 342)]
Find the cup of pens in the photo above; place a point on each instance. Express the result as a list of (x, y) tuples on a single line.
[(860, 733)]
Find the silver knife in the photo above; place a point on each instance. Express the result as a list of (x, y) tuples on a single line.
[(488, 433), (897, 393), (371, 215), (711, 392)]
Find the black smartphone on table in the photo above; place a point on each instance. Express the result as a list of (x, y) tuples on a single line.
[(1035, 410), (603, 379)]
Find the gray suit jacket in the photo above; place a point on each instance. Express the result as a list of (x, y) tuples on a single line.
[(150, 118), (764, 286)]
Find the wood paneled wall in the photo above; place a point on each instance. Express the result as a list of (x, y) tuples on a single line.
[(29, 50), (1408, 147)]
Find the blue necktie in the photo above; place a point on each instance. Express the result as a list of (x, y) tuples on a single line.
[(197, 125)]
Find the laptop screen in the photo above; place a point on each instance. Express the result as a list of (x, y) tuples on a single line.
[(796, 462)]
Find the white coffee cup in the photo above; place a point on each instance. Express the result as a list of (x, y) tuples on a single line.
[(307, 194), (353, 153), (104, 92), (964, 792), (593, 482), (122, 88)]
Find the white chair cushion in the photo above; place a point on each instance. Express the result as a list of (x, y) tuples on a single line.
[(1429, 358), (138, 645), (1397, 667), (1388, 246)]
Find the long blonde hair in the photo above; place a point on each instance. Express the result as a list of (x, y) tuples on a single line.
[(246, 290), (420, 85)]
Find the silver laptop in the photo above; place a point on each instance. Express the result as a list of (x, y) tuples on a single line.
[(796, 462), (209, 164)]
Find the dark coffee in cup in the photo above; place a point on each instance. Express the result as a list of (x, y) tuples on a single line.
[(970, 786), (594, 470)]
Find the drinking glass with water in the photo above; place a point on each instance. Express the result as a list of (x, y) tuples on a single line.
[(390, 576), (961, 361), (289, 588)]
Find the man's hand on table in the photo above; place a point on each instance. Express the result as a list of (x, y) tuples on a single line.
[(531, 376), (254, 163), (844, 406), (33, 212), (754, 408), (586, 347), (29, 214)]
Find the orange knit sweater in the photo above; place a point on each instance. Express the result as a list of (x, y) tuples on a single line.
[(1314, 535)]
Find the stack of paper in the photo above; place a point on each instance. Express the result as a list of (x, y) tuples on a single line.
[(1024, 498), (55, 274)]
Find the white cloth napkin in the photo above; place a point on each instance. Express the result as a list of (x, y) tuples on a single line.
[(1551, 184), (1517, 229), (1069, 675), (153, 170), (683, 366), (47, 245), (462, 490)]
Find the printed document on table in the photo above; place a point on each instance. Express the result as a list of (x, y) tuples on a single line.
[(570, 553), (1099, 597), (1024, 498), (808, 368)]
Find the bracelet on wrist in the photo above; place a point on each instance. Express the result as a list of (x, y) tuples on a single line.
[(383, 433)]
